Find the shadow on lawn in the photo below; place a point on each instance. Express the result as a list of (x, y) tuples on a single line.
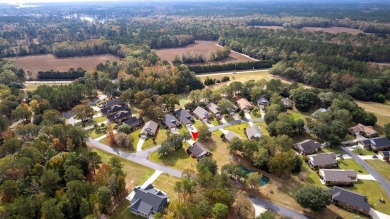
[(171, 160)]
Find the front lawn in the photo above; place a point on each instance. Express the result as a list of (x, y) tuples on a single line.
[(135, 136), (214, 122), (363, 152), (381, 166), (219, 148), (374, 191), (352, 165), (100, 119), (166, 183), (238, 129), (161, 136), (255, 112), (96, 133), (179, 159), (263, 128)]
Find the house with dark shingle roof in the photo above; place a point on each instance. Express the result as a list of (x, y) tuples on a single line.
[(119, 116), (384, 155), (170, 121), (133, 122), (376, 144), (215, 110), (337, 176), (201, 114), (113, 106), (262, 101), (150, 129), (307, 146), (148, 201), (350, 200), (253, 132), (197, 151), (184, 116), (322, 160)]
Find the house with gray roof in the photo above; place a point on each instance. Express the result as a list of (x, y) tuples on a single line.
[(198, 151), (170, 121), (253, 132), (307, 146), (184, 116), (376, 144), (201, 114), (322, 160), (337, 176), (147, 201), (119, 116), (215, 110), (113, 106), (150, 129), (350, 200), (133, 122), (286, 102), (262, 101), (230, 135), (384, 155)]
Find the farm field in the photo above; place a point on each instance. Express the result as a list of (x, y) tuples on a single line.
[(50, 62), (201, 47), (30, 86), (333, 30)]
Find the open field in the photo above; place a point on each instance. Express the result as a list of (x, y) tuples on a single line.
[(381, 166), (49, 62), (200, 47), (30, 86), (381, 111), (333, 30)]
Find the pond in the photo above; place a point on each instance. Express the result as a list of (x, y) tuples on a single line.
[(264, 180)]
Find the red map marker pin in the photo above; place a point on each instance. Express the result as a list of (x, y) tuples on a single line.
[(195, 135)]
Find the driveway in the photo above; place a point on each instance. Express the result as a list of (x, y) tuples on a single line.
[(150, 180), (365, 177), (139, 157), (140, 143), (278, 209), (249, 118), (372, 171), (378, 215)]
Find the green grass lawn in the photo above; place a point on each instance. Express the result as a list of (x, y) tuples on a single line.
[(374, 191), (364, 152), (100, 119), (228, 118), (335, 150), (381, 166), (214, 122), (238, 129), (166, 183), (310, 175), (352, 165), (197, 124), (263, 128), (96, 133), (135, 174), (179, 159), (255, 112), (161, 136), (183, 99), (135, 136), (184, 131)]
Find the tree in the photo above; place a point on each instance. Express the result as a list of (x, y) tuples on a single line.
[(235, 144), (313, 197), (123, 140), (282, 163), (50, 209), (225, 106), (387, 130), (207, 164), (305, 99), (204, 133), (125, 128), (21, 112), (127, 95), (266, 215), (49, 181), (52, 116), (73, 173), (172, 143), (10, 146), (220, 211), (83, 112), (104, 199), (94, 160), (253, 179)]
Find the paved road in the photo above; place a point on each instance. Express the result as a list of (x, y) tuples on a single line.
[(278, 209), (139, 157), (372, 171)]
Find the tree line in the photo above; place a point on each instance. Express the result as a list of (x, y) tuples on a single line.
[(71, 74)]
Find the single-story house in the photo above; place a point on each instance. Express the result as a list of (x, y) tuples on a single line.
[(184, 116), (350, 200), (120, 116), (230, 135), (376, 144), (307, 146), (367, 131), (197, 151), (262, 101), (338, 177), (133, 122), (244, 104), (253, 132), (322, 160), (215, 110), (201, 114), (286, 102), (147, 201), (384, 155), (170, 121), (150, 129)]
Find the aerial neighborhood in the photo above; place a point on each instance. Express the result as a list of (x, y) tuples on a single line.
[(195, 109)]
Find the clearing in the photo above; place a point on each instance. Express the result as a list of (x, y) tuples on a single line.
[(334, 30), (50, 62), (201, 47)]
